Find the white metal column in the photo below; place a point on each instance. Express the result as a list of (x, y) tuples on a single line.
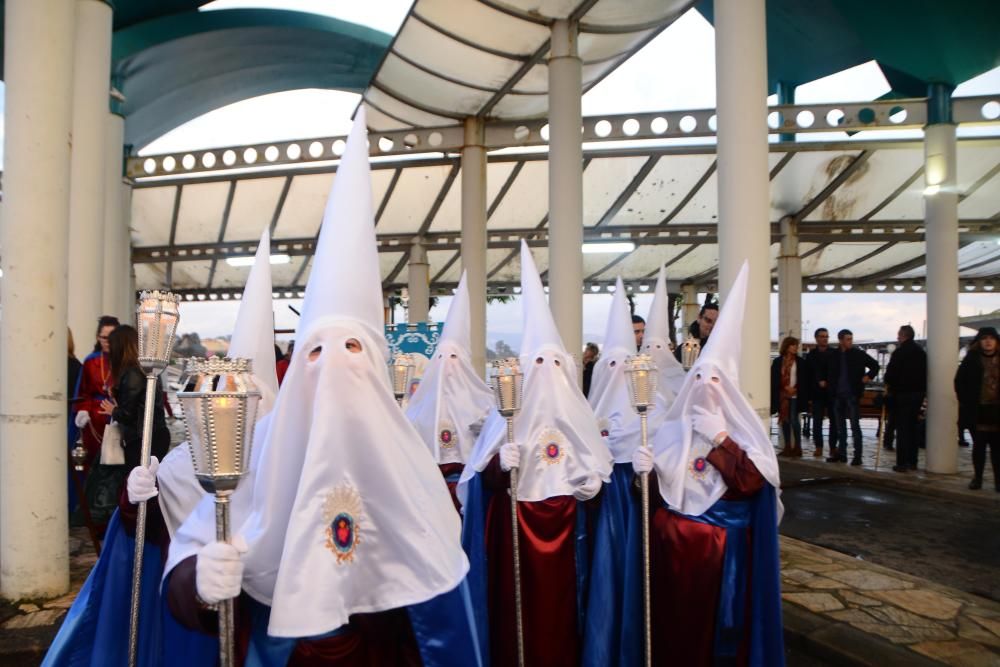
[(116, 234), (92, 70), (419, 284), (744, 189), (566, 186), (941, 234), (789, 281), (38, 72), (474, 236)]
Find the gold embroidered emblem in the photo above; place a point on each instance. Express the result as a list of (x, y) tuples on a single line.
[(343, 514)]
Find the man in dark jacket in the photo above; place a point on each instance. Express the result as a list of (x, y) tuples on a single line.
[(906, 380), (850, 370), (817, 368), (701, 328), (977, 384)]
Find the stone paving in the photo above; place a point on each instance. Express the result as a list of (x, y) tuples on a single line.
[(935, 622)]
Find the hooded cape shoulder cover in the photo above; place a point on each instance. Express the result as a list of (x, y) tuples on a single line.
[(712, 383), (349, 511), (451, 401)]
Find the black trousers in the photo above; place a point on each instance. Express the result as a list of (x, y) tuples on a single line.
[(980, 440), (905, 411), (845, 409), (822, 406)]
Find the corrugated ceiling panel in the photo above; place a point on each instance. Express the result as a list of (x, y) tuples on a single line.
[(511, 272), (593, 47), (526, 202), (283, 274), (412, 198), (451, 58), (415, 84), (836, 255), (663, 189), (870, 185), (641, 262), (253, 207), (630, 12), (303, 209), (985, 271), (804, 177), (897, 254), (387, 262), (436, 260), (200, 216), (190, 275), (152, 209), (984, 202), (701, 259), (395, 108), (479, 24), (603, 181), (150, 276)]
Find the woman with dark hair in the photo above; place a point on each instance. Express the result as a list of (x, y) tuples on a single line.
[(786, 370), (94, 386), (977, 384), (128, 406)]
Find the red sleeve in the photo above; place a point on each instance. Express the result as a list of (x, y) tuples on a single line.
[(737, 470), (89, 388), (183, 601), (494, 478)]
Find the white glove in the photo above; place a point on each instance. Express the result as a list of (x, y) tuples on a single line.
[(141, 484), (510, 456), (588, 488), (82, 418), (709, 424), (219, 571), (642, 460)]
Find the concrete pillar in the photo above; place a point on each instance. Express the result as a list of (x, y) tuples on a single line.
[(744, 192), (116, 235), (789, 281), (34, 560), (566, 186), (474, 236), (419, 284), (941, 238), (690, 308), (91, 71)]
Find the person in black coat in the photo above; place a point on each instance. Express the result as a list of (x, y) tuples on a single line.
[(701, 328), (977, 385), (817, 381), (850, 370), (129, 403), (906, 382), (789, 394)]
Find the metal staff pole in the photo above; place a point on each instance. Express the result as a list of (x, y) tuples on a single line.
[(640, 370), (219, 417), (157, 316), (507, 390)]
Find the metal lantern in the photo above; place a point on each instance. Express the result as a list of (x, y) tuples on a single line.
[(640, 371), (507, 385), (156, 316), (402, 374), (219, 416), (78, 455), (690, 350)]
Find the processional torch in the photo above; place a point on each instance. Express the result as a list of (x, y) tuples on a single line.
[(402, 375), (219, 416), (690, 349), (507, 385), (156, 315), (640, 371)]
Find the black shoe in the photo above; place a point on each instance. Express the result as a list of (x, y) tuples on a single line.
[(856, 461), (901, 468), (833, 459), (976, 483)]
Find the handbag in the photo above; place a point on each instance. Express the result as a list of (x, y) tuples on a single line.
[(112, 451)]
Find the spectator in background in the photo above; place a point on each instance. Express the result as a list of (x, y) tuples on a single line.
[(977, 384), (817, 379), (639, 328), (786, 371), (590, 354), (701, 328), (906, 382), (281, 366), (850, 370), (95, 386)]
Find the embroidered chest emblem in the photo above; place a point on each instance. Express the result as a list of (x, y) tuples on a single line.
[(447, 435), (699, 467), (605, 427), (343, 516), (551, 446)]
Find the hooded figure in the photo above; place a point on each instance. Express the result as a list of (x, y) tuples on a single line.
[(717, 476), (451, 402), (92, 632), (562, 461), (656, 343), (352, 550)]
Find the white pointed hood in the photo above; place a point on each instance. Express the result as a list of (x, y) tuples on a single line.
[(253, 338), (656, 343), (452, 401), (560, 444), (688, 483), (609, 393), (349, 513)]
